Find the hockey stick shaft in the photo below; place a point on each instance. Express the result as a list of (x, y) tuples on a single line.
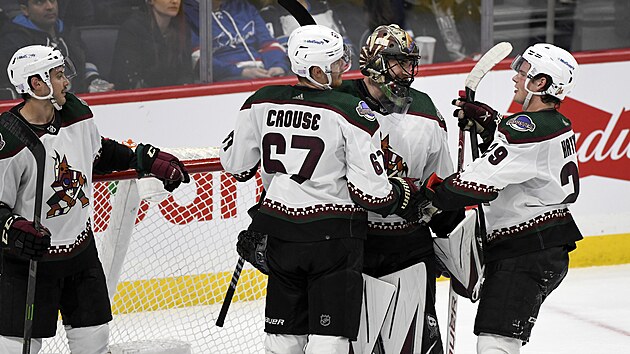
[(25, 134), (229, 294), (299, 12)]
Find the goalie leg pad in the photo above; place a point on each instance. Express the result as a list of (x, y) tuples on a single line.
[(408, 304), (252, 247), (14, 344), (88, 340), (377, 297), (327, 344), (495, 344), (285, 343)]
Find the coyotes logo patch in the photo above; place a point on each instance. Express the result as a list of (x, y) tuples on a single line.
[(393, 162), (68, 186)]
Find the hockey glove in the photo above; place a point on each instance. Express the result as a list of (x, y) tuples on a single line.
[(21, 238), (483, 116), (150, 161), (428, 187), (252, 247), (410, 199)]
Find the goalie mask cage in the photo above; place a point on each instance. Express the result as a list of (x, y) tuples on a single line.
[(170, 259)]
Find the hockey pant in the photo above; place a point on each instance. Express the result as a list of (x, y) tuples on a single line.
[(392, 305), (496, 344), (85, 340)]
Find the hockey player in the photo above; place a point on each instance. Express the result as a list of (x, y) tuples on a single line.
[(414, 144), (526, 178), (70, 277), (319, 154)]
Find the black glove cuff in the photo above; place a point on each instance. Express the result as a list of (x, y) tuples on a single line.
[(144, 158)]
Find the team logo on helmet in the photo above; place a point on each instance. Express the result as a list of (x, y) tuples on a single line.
[(365, 111), (324, 320), (522, 123)]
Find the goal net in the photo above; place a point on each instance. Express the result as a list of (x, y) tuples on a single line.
[(169, 259)]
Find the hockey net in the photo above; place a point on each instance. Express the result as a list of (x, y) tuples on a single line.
[(170, 258)]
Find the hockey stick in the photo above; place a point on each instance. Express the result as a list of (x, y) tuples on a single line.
[(298, 12), (25, 135), (230, 292), (483, 66)]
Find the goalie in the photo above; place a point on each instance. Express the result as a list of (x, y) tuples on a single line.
[(527, 177), (70, 278)]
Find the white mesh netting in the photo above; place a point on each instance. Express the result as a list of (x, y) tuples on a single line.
[(180, 257)]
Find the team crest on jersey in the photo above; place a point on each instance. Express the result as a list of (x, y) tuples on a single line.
[(393, 162), (522, 123), (2, 142), (324, 320), (69, 187), (365, 111)]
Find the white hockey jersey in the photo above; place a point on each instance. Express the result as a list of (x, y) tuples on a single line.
[(319, 155), (71, 141), (528, 177)]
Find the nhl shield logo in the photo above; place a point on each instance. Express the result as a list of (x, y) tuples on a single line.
[(324, 320)]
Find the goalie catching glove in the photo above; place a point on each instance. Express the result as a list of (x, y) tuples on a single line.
[(411, 200), (150, 161), (22, 239), (252, 247)]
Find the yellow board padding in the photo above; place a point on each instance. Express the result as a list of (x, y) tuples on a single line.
[(186, 291), (208, 289)]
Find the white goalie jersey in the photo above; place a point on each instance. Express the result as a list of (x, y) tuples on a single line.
[(319, 159)]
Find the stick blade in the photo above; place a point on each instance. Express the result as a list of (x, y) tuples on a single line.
[(493, 56)]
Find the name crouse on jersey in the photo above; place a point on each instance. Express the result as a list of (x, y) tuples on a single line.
[(318, 150), (532, 166), (72, 142)]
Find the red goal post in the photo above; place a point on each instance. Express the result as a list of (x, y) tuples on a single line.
[(170, 258)]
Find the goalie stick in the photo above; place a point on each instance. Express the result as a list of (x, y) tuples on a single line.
[(25, 135), (229, 294), (493, 56)]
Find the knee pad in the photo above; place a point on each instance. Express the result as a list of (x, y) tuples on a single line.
[(327, 344), (88, 340), (496, 344), (13, 345), (284, 344)]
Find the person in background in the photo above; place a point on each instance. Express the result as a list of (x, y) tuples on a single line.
[(414, 142), (526, 179), (70, 278), (153, 48), (242, 47), (39, 23)]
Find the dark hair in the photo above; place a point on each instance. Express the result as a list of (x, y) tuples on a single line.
[(176, 38), (547, 98)]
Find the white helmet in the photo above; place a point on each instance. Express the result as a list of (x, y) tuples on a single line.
[(556, 62), (315, 45), (33, 60)]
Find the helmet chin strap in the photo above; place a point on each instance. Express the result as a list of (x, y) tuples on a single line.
[(48, 96), (530, 94)]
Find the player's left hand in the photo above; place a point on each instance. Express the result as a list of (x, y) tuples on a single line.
[(478, 113), (162, 165), (428, 186), (410, 199)]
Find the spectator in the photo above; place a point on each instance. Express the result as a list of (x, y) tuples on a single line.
[(39, 23), (242, 45), (153, 48), (281, 23)]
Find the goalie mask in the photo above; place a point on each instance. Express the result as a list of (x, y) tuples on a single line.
[(387, 47), (37, 60), (550, 60), (316, 45)]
